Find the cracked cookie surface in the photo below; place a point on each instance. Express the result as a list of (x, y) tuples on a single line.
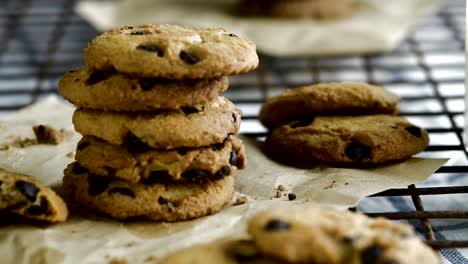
[(172, 52)]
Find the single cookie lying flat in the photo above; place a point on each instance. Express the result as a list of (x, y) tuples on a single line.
[(172, 52), (26, 196), (168, 201), (109, 90), (194, 164), (195, 126), (316, 9), (347, 140), (221, 252), (327, 99), (326, 236)]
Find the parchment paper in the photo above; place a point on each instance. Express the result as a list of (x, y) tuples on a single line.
[(87, 238), (373, 26)]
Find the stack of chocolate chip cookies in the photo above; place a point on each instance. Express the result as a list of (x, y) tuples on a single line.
[(340, 123), (158, 140)]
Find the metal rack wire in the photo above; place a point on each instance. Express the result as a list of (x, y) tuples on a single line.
[(40, 40)]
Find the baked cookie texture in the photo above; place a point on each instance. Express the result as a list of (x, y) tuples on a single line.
[(160, 201), (348, 140), (328, 99), (195, 126), (323, 235), (23, 195), (314, 235), (172, 52), (312, 9), (154, 165), (113, 91)]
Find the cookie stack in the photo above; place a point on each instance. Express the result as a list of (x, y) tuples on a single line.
[(314, 9), (158, 140), (340, 123)]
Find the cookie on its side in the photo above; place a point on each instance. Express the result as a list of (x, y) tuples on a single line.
[(112, 91), (347, 140), (195, 164), (314, 9), (172, 52), (167, 201), (324, 235), (26, 196), (195, 126), (328, 99)]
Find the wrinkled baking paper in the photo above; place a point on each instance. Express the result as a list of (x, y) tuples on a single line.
[(373, 26), (94, 239)]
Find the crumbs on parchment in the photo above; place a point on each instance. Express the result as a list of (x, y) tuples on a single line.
[(44, 135), (330, 186), (241, 200), (280, 191)]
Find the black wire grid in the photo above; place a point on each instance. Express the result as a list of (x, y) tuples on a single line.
[(42, 39)]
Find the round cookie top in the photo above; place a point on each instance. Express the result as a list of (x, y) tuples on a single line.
[(325, 235), (166, 201), (194, 126), (194, 164), (23, 195), (327, 99), (347, 140), (173, 52), (112, 91)]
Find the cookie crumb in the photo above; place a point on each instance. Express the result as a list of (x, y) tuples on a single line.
[(131, 244), (292, 196), (346, 183), (241, 200), (48, 135), (70, 154), (280, 191), (151, 259), (281, 188), (330, 186), (118, 261)]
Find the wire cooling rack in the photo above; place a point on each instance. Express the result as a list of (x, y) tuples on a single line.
[(42, 39)]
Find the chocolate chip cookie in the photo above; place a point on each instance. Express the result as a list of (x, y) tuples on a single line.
[(347, 140), (172, 52), (328, 99), (26, 196), (159, 201), (109, 90), (316, 9), (195, 164), (232, 251), (194, 126), (323, 235)]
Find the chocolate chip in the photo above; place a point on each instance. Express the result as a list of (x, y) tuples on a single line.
[(41, 209), (78, 169), (217, 147), (129, 27), (182, 151), (122, 191), (97, 184), (276, 225), (134, 144), (233, 158), (98, 76), (196, 175), (166, 202), (223, 172), (110, 171), (291, 196), (358, 152), (188, 58), (232, 35), (151, 48), (27, 189), (1, 182), (301, 123), (83, 145), (189, 110), (414, 130), (140, 33), (372, 254), (147, 84), (234, 117), (157, 177)]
